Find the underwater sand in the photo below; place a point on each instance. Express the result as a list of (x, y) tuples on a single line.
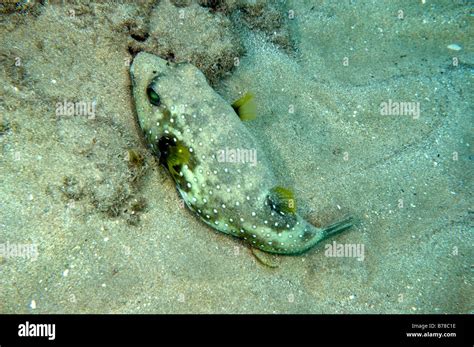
[(113, 238)]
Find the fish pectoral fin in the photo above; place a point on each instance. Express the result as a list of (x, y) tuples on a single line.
[(267, 259), (245, 107), (173, 154), (282, 200)]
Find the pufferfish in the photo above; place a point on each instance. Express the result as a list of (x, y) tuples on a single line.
[(189, 127)]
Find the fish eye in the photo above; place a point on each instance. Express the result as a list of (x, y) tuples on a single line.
[(153, 97)]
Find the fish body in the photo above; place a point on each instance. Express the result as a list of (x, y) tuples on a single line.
[(220, 170)]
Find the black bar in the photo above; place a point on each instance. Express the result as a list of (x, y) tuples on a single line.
[(243, 329)]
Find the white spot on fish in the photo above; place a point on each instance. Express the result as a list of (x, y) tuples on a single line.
[(454, 47)]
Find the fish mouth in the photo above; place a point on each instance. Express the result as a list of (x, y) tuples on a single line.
[(145, 67)]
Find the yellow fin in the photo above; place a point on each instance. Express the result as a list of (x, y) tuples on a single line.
[(282, 200), (245, 107), (178, 155)]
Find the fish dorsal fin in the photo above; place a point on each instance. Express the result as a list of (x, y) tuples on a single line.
[(282, 200), (245, 107)]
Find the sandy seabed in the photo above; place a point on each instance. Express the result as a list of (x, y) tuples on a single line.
[(364, 108)]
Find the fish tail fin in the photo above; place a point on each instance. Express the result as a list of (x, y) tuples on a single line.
[(309, 235), (338, 227)]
